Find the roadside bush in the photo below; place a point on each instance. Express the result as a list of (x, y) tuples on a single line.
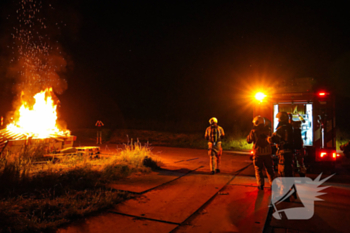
[(149, 162), (236, 144), (236, 139), (138, 155), (343, 137)]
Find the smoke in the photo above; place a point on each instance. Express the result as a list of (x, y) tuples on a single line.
[(35, 60)]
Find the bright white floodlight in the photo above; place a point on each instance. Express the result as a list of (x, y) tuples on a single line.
[(260, 96)]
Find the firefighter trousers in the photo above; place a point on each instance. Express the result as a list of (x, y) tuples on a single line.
[(99, 137), (214, 152), (285, 164), (299, 156), (260, 162)]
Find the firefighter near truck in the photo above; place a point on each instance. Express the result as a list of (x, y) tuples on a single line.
[(312, 111)]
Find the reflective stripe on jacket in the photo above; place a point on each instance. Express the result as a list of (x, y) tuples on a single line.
[(214, 133)]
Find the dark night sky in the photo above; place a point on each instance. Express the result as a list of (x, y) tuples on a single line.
[(188, 61)]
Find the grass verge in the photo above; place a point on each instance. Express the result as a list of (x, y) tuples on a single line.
[(40, 197)]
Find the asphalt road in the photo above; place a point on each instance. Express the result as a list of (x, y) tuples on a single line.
[(185, 197)]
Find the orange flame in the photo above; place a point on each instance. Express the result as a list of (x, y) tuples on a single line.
[(40, 120)]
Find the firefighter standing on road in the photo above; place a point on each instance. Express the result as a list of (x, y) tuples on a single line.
[(214, 134), (99, 125), (262, 151), (283, 137), (299, 147)]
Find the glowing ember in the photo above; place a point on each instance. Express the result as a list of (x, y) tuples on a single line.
[(38, 121)]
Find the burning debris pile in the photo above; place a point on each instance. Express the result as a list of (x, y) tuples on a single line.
[(40, 121), (36, 68), (36, 122)]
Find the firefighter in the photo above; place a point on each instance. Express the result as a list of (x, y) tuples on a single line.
[(214, 134), (283, 138), (299, 147), (262, 151), (267, 124), (99, 126)]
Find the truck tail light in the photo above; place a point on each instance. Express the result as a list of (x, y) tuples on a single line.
[(322, 94), (326, 155)]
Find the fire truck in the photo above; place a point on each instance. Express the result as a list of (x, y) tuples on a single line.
[(314, 107)]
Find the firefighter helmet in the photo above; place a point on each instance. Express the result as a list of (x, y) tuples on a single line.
[(282, 116), (258, 120), (213, 120)]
